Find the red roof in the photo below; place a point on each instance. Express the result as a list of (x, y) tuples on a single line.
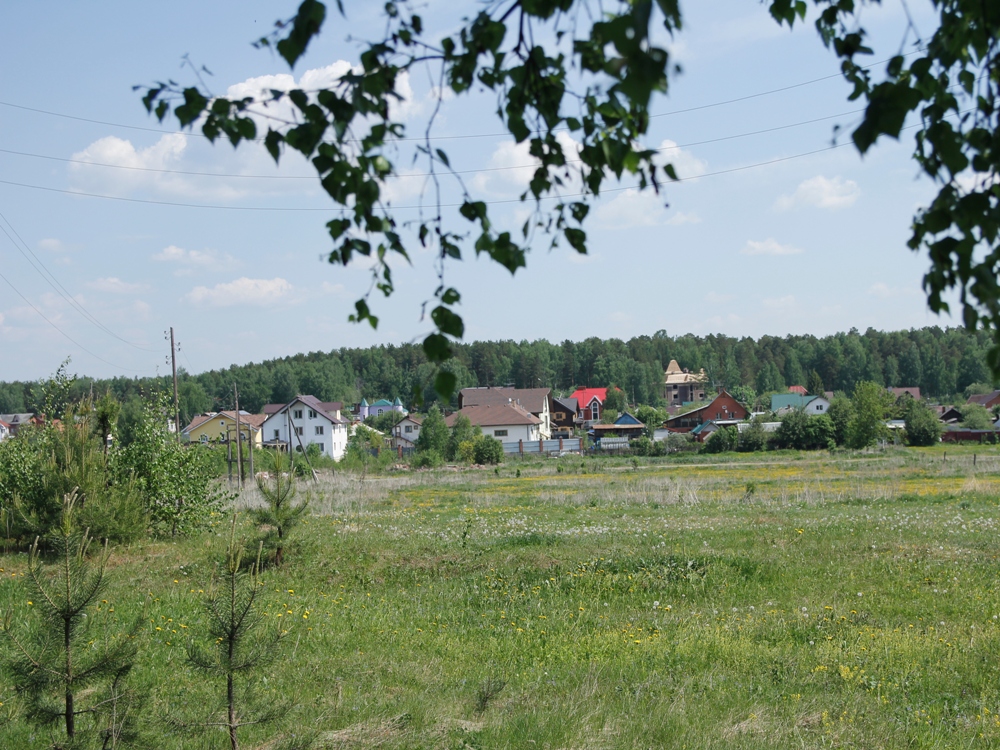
[(584, 396), (799, 389)]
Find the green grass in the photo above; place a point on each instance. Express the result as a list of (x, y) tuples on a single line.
[(847, 601)]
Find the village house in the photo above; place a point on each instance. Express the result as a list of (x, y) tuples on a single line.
[(589, 404), (909, 390), (213, 427), (811, 405), (16, 421), (406, 431), (508, 423), (4, 430), (626, 426), (563, 417), (989, 400), (379, 408), (799, 389), (722, 407), (683, 386), (536, 401), (313, 422)]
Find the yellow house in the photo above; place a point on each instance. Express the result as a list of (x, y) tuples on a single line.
[(216, 426)]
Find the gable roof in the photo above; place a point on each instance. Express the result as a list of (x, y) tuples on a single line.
[(799, 389), (984, 398), (197, 421), (584, 396), (531, 399), (328, 409), (495, 415), (791, 401), (570, 404), (709, 405), (382, 402), (628, 419)]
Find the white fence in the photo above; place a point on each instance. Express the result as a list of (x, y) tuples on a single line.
[(561, 445)]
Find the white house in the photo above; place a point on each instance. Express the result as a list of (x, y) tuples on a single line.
[(4, 430), (407, 430), (508, 423), (313, 422), (533, 400), (811, 405)]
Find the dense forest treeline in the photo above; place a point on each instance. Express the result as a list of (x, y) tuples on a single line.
[(941, 361)]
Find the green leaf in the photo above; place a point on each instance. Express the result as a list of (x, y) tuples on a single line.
[(448, 321), (577, 238), (444, 384), (306, 24), (443, 157), (437, 348)]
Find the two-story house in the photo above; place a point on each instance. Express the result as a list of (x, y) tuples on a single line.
[(306, 421)]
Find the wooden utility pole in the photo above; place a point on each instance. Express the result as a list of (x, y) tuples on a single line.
[(239, 438), (173, 366)]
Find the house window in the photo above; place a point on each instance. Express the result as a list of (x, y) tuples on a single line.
[(312, 414), (277, 434), (300, 430), (379, 413), (204, 438), (500, 433), (296, 414), (408, 428), (322, 447), (319, 429), (595, 411)]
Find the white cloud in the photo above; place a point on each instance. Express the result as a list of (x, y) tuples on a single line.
[(770, 246), (189, 260), (679, 218), (51, 245), (779, 303), (685, 163), (821, 192), (716, 298), (114, 285), (632, 208), (327, 288), (1, 319), (242, 291), (883, 291), (511, 167)]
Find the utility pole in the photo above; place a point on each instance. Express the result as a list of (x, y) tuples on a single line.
[(173, 366), (239, 438)]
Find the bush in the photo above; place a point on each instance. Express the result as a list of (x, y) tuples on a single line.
[(922, 425), (488, 450), (722, 440), (466, 452), (801, 432), (643, 446), (753, 438), (426, 460)]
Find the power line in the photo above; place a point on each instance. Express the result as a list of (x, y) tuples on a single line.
[(35, 262), (60, 330), (443, 205), (422, 174), (709, 105)]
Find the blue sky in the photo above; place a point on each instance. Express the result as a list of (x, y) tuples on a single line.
[(761, 240)]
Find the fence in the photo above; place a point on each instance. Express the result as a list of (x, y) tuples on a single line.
[(535, 447)]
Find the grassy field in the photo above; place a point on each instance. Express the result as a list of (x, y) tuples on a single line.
[(761, 601)]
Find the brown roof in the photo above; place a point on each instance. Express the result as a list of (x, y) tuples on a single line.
[(494, 415), (984, 398), (254, 420), (532, 399), (912, 390), (328, 409), (198, 420)]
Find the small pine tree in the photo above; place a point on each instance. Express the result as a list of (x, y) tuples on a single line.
[(241, 645), (66, 667), (281, 513)]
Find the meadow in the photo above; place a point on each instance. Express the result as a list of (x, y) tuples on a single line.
[(763, 601)]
